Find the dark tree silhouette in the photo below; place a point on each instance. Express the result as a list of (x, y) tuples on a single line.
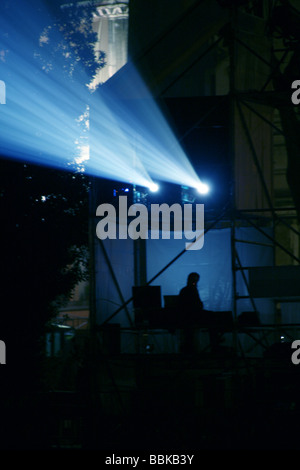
[(44, 218)]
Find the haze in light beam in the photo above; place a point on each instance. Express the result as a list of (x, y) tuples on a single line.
[(128, 140), (39, 122), (146, 128)]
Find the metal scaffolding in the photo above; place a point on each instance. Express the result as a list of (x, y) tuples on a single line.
[(251, 103), (247, 106)]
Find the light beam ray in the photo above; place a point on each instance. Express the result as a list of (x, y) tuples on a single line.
[(38, 123), (145, 126), (128, 140)]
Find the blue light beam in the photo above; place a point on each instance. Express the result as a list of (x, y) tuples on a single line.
[(39, 122), (128, 140), (147, 129)]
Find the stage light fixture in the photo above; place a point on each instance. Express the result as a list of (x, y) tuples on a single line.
[(202, 188), (186, 195), (140, 195), (153, 187)]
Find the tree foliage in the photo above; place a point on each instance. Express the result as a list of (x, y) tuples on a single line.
[(66, 44), (44, 242)]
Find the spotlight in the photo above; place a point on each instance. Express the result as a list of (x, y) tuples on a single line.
[(153, 187), (202, 188)]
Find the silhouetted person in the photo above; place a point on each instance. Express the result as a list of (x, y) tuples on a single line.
[(190, 312), (193, 315), (189, 298)]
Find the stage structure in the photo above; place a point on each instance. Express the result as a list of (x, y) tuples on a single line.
[(219, 72)]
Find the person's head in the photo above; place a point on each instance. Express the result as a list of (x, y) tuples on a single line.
[(193, 279)]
